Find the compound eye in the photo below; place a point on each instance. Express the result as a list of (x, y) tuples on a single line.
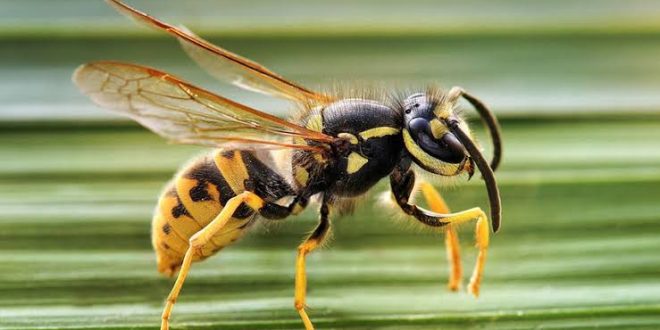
[(448, 148), (418, 126)]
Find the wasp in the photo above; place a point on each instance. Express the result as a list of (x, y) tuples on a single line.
[(265, 168)]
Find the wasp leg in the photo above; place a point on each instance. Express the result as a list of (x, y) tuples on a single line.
[(402, 182), (200, 239), (438, 204), (312, 242)]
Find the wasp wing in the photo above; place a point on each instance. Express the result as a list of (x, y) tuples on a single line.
[(227, 66), (187, 114)]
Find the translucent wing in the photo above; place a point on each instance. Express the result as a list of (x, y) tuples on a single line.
[(184, 113), (226, 65)]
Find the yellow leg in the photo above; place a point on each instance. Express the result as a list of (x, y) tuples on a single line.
[(311, 243), (199, 240), (454, 257), (438, 204), (174, 293), (482, 234)]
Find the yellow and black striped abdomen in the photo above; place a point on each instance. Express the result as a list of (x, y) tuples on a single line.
[(196, 196)]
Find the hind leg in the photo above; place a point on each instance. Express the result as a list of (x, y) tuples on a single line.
[(312, 242), (437, 204), (199, 240)]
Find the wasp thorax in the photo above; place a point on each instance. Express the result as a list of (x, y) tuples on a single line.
[(427, 137)]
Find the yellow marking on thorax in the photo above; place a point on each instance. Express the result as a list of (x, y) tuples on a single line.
[(379, 132), (301, 175), (315, 123), (348, 136), (355, 162), (319, 158), (233, 169), (202, 211)]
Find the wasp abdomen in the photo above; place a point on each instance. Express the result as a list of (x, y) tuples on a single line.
[(196, 196)]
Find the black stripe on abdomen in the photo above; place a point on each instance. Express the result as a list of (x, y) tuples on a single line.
[(205, 171)]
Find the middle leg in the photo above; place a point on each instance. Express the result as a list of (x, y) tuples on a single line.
[(312, 242)]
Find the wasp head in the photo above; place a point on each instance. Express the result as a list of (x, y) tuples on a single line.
[(440, 142), (429, 140)]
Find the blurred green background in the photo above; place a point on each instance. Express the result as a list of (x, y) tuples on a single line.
[(576, 87)]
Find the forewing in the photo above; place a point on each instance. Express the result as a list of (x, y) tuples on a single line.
[(184, 113), (227, 66)]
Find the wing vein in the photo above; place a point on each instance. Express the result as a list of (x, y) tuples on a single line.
[(183, 113)]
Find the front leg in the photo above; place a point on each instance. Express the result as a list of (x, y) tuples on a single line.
[(437, 204), (402, 182)]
